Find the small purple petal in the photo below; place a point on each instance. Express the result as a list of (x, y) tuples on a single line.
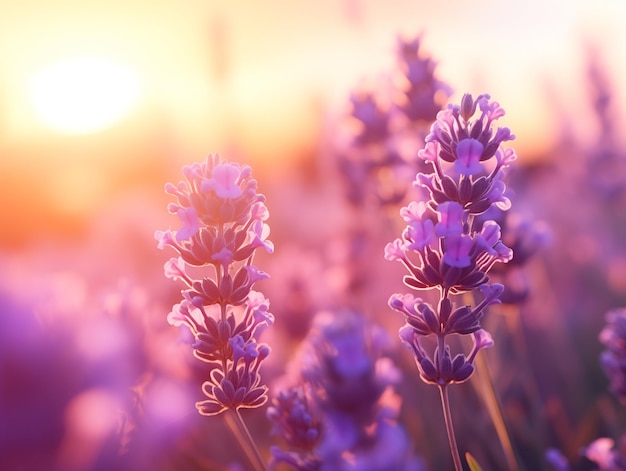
[(450, 215), (395, 250), (468, 152), (457, 251)]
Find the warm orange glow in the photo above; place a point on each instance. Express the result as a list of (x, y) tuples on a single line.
[(83, 95)]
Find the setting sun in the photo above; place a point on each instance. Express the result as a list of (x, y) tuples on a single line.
[(83, 95)]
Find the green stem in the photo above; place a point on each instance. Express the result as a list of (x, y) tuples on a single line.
[(447, 416), (495, 412), (241, 432)]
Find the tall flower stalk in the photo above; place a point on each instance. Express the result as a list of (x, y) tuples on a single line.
[(447, 249), (223, 225)]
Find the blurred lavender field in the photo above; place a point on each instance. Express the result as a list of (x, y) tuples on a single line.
[(318, 114)]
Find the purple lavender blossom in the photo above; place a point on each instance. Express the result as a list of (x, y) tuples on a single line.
[(467, 158), (223, 225), (295, 421), (380, 151), (613, 358), (422, 92), (445, 247), (341, 414)]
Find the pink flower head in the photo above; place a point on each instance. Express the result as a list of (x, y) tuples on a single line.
[(191, 223), (457, 251), (164, 238), (468, 153), (492, 110), (257, 300), (407, 335), (413, 212), (601, 452), (430, 152), (482, 339), (426, 181), (404, 302), (395, 250), (254, 274), (259, 211), (185, 313), (224, 181), (420, 234), (450, 215), (260, 231), (174, 269)]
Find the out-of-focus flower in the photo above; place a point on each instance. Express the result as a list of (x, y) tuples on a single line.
[(527, 236), (557, 460), (421, 93), (378, 155), (613, 358), (341, 413), (605, 455), (223, 225), (71, 359)]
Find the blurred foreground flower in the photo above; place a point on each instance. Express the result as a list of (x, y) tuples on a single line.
[(71, 360), (340, 412), (613, 358)]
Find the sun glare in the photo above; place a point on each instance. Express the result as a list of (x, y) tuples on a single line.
[(85, 95)]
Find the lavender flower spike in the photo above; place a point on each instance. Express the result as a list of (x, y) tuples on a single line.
[(223, 223), (444, 247)]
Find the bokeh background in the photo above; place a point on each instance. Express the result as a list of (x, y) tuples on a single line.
[(102, 102)]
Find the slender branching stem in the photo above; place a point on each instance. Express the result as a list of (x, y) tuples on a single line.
[(242, 434), (447, 416)]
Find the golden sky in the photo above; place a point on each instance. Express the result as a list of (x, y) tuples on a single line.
[(252, 76)]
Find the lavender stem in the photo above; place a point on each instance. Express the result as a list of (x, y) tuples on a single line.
[(447, 416), (242, 434), (495, 412)]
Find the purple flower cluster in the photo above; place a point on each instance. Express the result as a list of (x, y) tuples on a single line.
[(341, 413), (223, 225), (421, 93), (382, 144), (444, 246), (613, 358)]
